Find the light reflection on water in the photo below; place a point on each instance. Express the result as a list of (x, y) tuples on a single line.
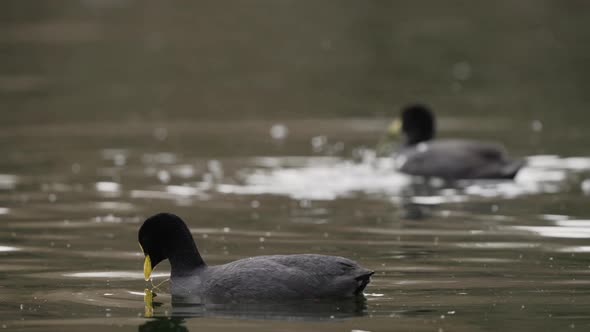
[(331, 178), (7, 248)]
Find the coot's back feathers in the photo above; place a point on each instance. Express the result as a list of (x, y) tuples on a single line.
[(284, 277)]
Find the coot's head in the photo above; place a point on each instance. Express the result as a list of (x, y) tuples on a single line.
[(417, 124), (166, 236)]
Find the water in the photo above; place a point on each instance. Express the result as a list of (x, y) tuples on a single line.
[(111, 113)]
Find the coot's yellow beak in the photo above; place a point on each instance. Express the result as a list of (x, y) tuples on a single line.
[(147, 265), (394, 128), (147, 268)]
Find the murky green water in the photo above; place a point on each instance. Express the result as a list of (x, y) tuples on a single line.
[(115, 110)]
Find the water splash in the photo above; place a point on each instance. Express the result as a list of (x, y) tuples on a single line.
[(321, 179), (328, 178)]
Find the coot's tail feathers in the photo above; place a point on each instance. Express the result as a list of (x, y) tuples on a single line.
[(362, 282), (512, 167)]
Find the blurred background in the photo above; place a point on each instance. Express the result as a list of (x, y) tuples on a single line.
[(125, 60)]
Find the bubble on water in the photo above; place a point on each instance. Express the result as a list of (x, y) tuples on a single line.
[(120, 160), (4, 210), (76, 168), (318, 143), (461, 71), (52, 198), (279, 131), (8, 181), (160, 133), (254, 204), (585, 186), (163, 176), (226, 229), (22, 307), (537, 125)]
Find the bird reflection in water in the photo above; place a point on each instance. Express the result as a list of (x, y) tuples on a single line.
[(303, 310)]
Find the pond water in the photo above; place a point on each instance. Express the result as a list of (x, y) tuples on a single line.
[(112, 112)]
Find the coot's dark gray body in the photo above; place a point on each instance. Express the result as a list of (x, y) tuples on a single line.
[(421, 154), (261, 278), (457, 159), (274, 278)]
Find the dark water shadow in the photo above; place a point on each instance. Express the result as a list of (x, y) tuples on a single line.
[(172, 324), (304, 310)]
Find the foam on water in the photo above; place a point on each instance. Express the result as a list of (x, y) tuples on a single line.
[(328, 178), (322, 181)]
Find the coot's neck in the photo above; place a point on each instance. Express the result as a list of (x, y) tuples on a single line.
[(185, 262), (181, 250), (412, 140), (183, 254)]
